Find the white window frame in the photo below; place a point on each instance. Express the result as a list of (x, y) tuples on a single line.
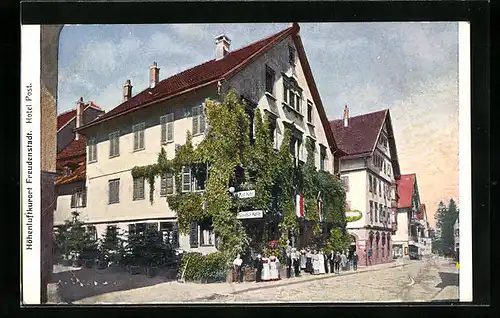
[(273, 73), (79, 198), (138, 189), (167, 128), (310, 120), (92, 150), (139, 132), (114, 144), (188, 176)]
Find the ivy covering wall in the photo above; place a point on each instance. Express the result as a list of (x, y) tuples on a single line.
[(228, 158)]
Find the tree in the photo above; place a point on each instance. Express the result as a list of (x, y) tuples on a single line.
[(445, 217)]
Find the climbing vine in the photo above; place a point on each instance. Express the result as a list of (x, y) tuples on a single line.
[(225, 158)]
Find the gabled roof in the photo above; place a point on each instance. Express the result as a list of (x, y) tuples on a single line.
[(406, 187), (73, 154), (209, 73), (74, 149), (359, 138), (200, 75), (65, 118), (361, 134)]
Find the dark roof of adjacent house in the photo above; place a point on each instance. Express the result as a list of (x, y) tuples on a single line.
[(406, 186), (361, 134), (209, 73), (64, 118), (73, 155)]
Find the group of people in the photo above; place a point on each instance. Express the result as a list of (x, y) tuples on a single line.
[(319, 262), (314, 262)]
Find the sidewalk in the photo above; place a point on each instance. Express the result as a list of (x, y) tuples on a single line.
[(304, 278)]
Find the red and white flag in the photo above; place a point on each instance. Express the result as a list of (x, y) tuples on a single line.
[(299, 206)]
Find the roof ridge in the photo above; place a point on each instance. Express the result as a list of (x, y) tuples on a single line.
[(365, 114), (213, 60)]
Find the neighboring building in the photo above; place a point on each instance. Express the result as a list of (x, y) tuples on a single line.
[(368, 172), (49, 44), (456, 235), (272, 74), (71, 159), (424, 235), (407, 239), (68, 121)]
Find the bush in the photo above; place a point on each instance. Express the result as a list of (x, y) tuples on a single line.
[(204, 268), (147, 248)]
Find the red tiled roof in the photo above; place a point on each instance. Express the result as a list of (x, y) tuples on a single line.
[(406, 185), (361, 134), (64, 118), (74, 149), (77, 175), (203, 74)]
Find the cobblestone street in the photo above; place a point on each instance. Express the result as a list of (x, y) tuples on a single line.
[(425, 280)]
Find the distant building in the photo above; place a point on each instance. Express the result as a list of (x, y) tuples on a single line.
[(412, 235), (369, 172)]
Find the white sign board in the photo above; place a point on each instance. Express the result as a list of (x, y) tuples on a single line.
[(250, 214), (245, 194)]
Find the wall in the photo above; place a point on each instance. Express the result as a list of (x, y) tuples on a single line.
[(402, 232), (357, 195), (64, 192), (66, 135), (250, 82), (49, 43)]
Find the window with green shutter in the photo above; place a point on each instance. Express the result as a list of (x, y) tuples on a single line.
[(167, 128), (114, 144), (138, 188), (138, 131)]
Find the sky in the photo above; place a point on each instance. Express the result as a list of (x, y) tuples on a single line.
[(410, 68)]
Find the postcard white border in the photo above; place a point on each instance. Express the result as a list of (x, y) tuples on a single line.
[(465, 168), (30, 165)]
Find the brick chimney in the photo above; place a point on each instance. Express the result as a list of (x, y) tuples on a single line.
[(346, 116), (222, 43), (154, 75), (127, 90), (80, 106)]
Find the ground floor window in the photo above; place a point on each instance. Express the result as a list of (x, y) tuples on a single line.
[(170, 233), (207, 234), (91, 230), (139, 228)]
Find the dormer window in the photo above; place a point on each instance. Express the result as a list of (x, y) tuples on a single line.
[(67, 171)]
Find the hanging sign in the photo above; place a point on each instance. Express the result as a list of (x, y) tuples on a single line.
[(256, 214), (353, 215), (245, 194)]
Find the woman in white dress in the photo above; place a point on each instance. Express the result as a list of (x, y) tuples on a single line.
[(315, 259), (274, 268), (266, 270), (321, 262)]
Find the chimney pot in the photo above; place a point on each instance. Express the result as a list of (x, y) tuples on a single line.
[(222, 44), (154, 75), (346, 116), (79, 116), (127, 90)]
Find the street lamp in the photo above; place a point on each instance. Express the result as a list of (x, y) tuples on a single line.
[(231, 190)]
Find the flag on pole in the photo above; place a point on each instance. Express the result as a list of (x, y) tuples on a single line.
[(299, 206)]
